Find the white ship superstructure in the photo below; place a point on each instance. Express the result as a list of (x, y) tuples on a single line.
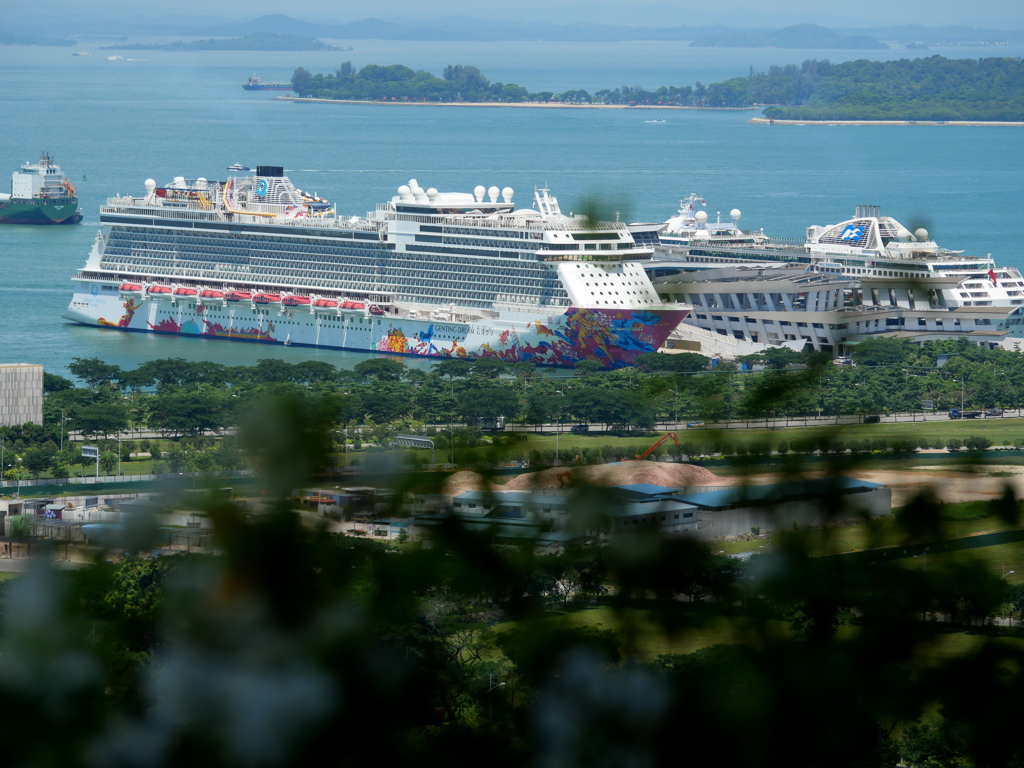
[(867, 246), (427, 273), (690, 226), (808, 307)]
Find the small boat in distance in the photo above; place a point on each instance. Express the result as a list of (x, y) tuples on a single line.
[(254, 84), (238, 167)]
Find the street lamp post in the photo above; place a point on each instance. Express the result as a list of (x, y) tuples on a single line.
[(558, 424), (1005, 574), (491, 686)]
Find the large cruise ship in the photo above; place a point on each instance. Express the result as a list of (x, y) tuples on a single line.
[(870, 246), (253, 258), (843, 283)]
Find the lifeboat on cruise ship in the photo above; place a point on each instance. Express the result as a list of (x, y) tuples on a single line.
[(237, 296), (266, 298), (209, 293), (132, 288), (159, 290), (351, 306), (325, 304), (374, 310), (296, 301), (185, 291)]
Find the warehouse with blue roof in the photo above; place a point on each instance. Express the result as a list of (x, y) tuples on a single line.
[(702, 512)]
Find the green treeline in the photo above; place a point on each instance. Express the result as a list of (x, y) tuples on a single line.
[(180, 397), (382, 396), (935, 88), (461, 83)]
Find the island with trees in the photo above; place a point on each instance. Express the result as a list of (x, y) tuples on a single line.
[(463, 84), (256, 41), (928, 89)]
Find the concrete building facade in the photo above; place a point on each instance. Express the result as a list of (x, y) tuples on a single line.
[(21, 394)]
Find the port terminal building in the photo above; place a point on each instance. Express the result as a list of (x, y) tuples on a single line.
[(745, 309), (556, 516)]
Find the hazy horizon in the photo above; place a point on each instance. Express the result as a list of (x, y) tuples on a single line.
[(996, 14)]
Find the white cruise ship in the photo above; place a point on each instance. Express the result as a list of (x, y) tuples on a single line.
[(436, 274), (690, 226), (867, 246)]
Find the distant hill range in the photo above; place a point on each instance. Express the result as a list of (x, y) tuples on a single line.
[(257, 41), (14, 38), (797, 36), (25, 23)]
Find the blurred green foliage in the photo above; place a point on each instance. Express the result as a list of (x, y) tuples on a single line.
[(289, 645)]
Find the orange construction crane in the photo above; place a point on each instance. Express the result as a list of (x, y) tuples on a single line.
[(653, 448)]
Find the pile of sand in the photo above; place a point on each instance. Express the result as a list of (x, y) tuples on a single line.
[(622, 473), (462, 481)]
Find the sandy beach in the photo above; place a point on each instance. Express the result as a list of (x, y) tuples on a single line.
[(768, 121), (521, 105)]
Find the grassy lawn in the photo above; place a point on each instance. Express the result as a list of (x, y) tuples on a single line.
[(960, 520), (1001, 431), (869, 535), (651, 642), (1000, 559), (648, 640)]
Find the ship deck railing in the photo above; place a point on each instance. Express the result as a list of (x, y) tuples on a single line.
[(507, 222), (135, 205), (544, 255)]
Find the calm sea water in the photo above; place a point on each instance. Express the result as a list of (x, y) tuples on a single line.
[(113, 124)]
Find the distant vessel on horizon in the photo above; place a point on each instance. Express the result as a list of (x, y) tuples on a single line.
[(255, 84)]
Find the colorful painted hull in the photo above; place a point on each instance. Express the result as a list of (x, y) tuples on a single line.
[(62, 211), (612, 337)]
